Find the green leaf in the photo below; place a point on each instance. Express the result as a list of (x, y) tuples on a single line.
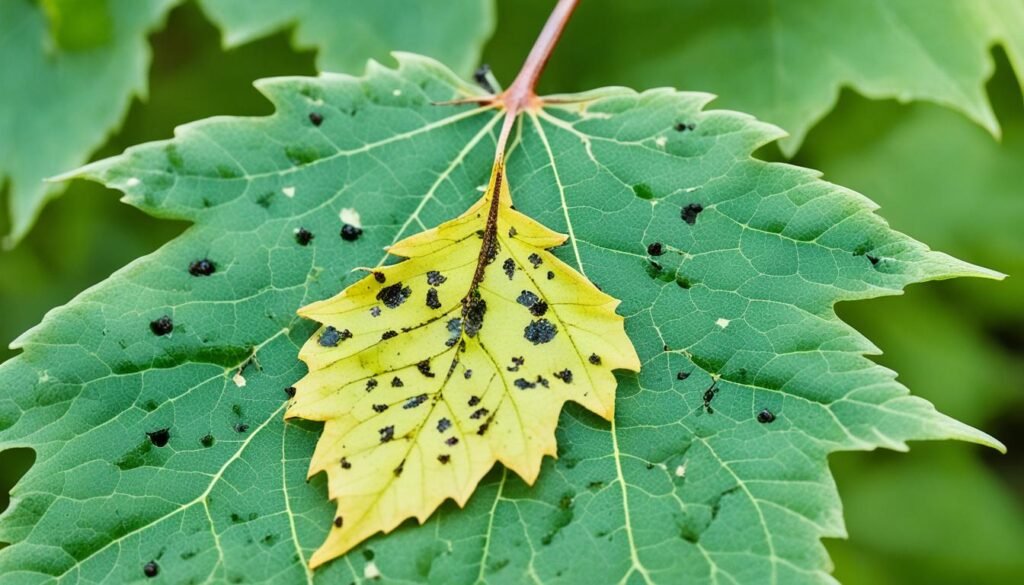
[(60, 104), (686, 484), (785, 62), (349, 32)]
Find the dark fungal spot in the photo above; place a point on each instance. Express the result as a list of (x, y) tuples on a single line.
[(396, 382), (394, 295), (539, 309), (290, 391), (509, 266), (379, 277), (709, 395), (535, 259), (451, 441), (551, 276), (202, 267), (565, 376), (151, 569), (765, 416), (241, 427), (371, 384), (316, 118), (479, 413), (683, 126), (432, 301), (443, 425), (350, 233), (303, 236), (378, 408), (424, 368), (480, 76), (473, 400), (522, 384), (468, 373), (594, 359), (543, 381), (338, 522), (375, 311), (388, 334), (400, 468), (331, 337), (655, 249), (435, 278), (540, 331), (444, 458), (689, 212), (206, 440), (516, 363), (473, 310), (527, 299), (387, 433), (159, 437), (415, 401), (483, 429), (872, 259), (161, 326), (682, 375), (512, 232), (345, 464)]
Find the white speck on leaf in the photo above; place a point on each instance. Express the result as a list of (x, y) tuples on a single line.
[(350, 216), (661, 141), (681, 470), (396, 93), (289, 192), (370, 571), (132, 182), (722, 322), (239, 379)]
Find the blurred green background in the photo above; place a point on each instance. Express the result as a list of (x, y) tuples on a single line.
[(944, 513)]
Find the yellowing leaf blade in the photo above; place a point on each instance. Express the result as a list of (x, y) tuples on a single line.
[(428, 372)]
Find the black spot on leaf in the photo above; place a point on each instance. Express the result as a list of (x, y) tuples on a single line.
[(159, 437), (387, 433), (451, 441), (682, 375), (162, 326), (316, 118), (683, 126), (473, 310), (207, 440), (432, 301), (151, 569), (594, 359), (551, 276), (479, 413), (565, 376), (522, 384), (689, 212), (424, 368), (290, 391), (241, 427), (371, 384), (379, 277), (345, 464), (339, 522), (378, 408), (331, 337), (350, 233), (435, 278), (444, 458), (443, 425), (655, 249), (396, 382), (303, 236), (765, 416), (527, 299), (415, 401), (540, 331), (202, 267), (516, 363), (509, 266), (388, 334), (539, 309), (393, 296), (535, 259), (473, 400)]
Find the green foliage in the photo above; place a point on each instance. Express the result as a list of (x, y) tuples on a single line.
[(348, 32), (785, 62), (686, 484), (60, 102)]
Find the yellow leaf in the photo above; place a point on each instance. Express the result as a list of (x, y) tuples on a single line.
[(429, 371)]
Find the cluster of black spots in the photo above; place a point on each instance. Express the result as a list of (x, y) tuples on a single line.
[(443, 425), (396, 382), (483, 428), (206, 440), (388, 334), (424, 368), (159, 437), (539, 309), (565, 376), (709, 395), (451, 441), (527, 298), (682, 375), (415, 401), (690, 211), (655, 249), (543, 381), (524, 384), (375, 311), (432, 301), (303, 236), (316, 118), (683, 127), (401, 467), (379, 408), (480, 76), (339, 522), (202, 267), (765, 416), (435, 278), (241, 428), (551, 276), (161, 326), (444, 458), (509, 266), (540, 331), (345, 464), (479, 413), (290, 391), (379, 276), (473, 310), (393, 296), (473, 400), (516, 363), (331, 337), (350, 233), (594, 359), (535, 259), (371, 384), (387, 433), (151, 569)]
